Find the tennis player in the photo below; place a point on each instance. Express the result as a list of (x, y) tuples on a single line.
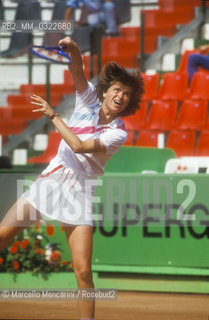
[(64, 190)]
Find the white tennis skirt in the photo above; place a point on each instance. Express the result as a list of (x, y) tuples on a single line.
[(63, 195)]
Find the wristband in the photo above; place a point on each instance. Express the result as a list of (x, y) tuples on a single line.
[(53, 115)]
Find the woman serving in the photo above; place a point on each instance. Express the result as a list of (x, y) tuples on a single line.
[(64, 190)]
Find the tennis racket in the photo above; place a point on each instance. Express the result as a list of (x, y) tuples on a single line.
[(53, 54)]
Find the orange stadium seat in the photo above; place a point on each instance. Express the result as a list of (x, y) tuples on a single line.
[(151, 86), (174, 86), (184, 59), (40, 89), (18, 100), (160, 30), (202, 145), (206, 125), (12, 126), (2, 112), (115, 49), (171, 4), (86, 65), (19, 113), (51, 150), (162, 115), (67, 77), (163, 23), (130, 32), (133, 34), (22, 100), (192, 115), (199, 86), (130, 138), (166, 18), (182, 142), (137, 121), (151, 43), (147, 139)]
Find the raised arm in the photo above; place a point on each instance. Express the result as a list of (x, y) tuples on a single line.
[(76, 68)]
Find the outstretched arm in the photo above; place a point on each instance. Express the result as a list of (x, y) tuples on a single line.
[(76, 68)]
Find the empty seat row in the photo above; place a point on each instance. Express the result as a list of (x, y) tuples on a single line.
[(166, 18), (175, 86), (165, 116), (161, 115), (19, 106), (184, 143), (12, 126), (161, 22), (40, 89), (157, 23), (174, 4)]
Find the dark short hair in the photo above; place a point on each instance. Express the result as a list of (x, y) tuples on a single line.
[(112, 73)]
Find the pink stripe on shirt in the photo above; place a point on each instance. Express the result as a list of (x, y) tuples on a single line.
[(92, 129), (86, 130)]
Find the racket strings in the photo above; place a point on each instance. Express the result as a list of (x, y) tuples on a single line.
[(54, 55)]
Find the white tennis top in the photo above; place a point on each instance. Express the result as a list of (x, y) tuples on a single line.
[(84, 123)]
